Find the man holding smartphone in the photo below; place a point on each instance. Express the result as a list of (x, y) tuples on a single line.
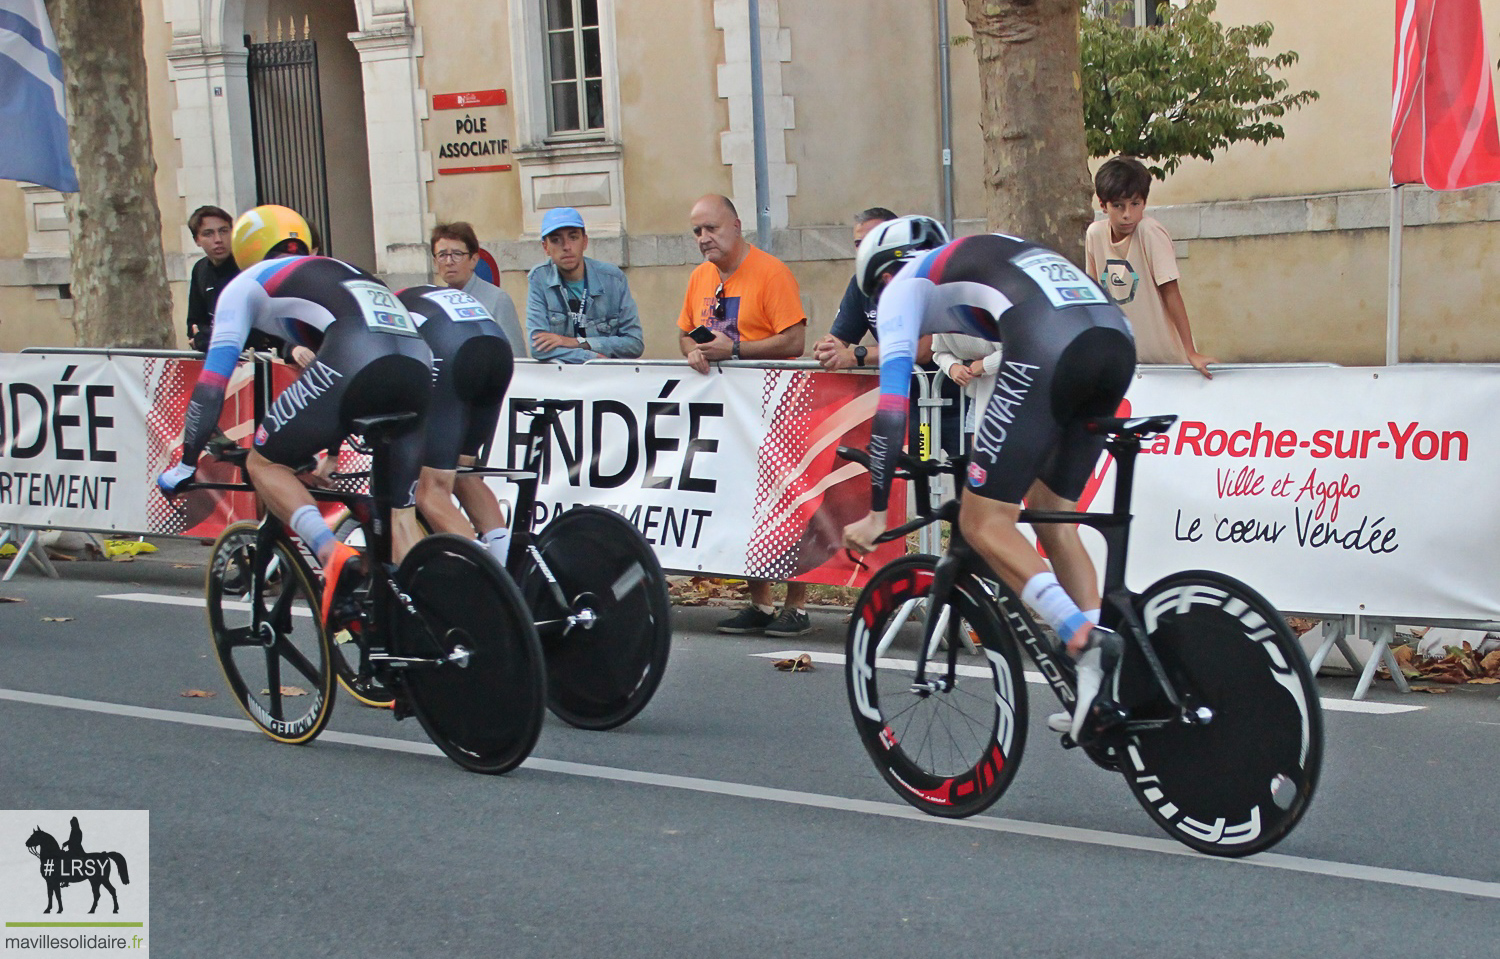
[(743, 303)]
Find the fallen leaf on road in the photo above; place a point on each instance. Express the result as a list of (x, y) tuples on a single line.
[(1431, 689), (199, 694), (184, 565), (11, 599), (1484, 681), (287, 691), (57, 619), (801, 664)]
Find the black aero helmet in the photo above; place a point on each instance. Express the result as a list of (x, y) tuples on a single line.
[(891, 244)]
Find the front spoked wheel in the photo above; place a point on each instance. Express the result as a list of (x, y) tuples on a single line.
[(952, 750), (272, 649), (1239, 782), (483, 704), (603, 669)]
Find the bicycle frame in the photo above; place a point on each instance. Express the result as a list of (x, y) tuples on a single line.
[(1052, 661)]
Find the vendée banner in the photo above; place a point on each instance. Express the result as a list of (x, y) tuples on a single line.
[(1329, 490)]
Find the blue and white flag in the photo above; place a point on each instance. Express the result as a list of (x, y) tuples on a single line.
[(34, 146)]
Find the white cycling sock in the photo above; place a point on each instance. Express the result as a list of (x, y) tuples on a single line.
[(497, 541), (1046, 595), (313, 530)]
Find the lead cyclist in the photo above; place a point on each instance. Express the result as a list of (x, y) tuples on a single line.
[(1068, 356)]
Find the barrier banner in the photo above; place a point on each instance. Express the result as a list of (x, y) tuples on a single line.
[(732, 473), (70, 442), (1368, 491)]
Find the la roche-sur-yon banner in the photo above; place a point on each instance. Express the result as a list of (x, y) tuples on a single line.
[(1368, 491)]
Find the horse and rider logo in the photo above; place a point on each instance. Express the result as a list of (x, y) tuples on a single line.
[(68, 864)]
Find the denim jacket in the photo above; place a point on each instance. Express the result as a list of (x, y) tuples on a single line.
[(610, 321)]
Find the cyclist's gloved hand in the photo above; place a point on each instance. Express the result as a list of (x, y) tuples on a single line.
[(170, 479)]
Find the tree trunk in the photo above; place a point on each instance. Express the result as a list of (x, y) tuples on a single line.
[(1035, 155), (120, 294)]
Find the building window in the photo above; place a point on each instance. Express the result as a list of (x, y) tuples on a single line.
[(575, 67), (1131, 13)]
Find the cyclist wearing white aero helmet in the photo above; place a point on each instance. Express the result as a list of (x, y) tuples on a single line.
[(1068, 356)]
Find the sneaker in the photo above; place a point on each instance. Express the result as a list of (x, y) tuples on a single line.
[(1097, 661), (789, 622), (339, 577), (748, 620)]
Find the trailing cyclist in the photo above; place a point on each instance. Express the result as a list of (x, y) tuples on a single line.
[(472, 365), (1068, 356), (369, 361)]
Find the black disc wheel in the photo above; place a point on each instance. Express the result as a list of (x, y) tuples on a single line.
[(480, 692), (1237, 781), (267, 634), (950, 748), (603, 668)]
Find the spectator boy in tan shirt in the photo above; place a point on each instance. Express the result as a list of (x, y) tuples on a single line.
[(1131, 256)]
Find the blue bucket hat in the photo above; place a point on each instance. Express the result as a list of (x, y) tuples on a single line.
[(559, 217)]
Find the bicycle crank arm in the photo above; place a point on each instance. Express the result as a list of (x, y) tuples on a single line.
[(458, 657)]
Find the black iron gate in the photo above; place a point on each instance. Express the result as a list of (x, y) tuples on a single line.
[(286, 123)]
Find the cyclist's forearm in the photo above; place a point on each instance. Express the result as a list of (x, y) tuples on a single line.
[(200, 420)]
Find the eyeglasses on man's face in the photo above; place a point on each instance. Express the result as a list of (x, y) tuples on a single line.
[(451, 256)]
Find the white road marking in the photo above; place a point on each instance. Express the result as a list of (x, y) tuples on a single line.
[(1032, 676), (165, 600), (1268, 860)]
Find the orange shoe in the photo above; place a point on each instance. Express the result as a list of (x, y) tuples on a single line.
[(340, 575)]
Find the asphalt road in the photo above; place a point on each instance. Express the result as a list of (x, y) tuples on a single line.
[(737, 816)]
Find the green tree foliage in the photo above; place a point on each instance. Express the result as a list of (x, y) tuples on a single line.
[(1186, 88)]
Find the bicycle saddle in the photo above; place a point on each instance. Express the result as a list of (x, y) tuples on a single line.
[(1138, 427)]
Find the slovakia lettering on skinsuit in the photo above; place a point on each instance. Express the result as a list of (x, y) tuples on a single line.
[(1011, 388), (313, 383)]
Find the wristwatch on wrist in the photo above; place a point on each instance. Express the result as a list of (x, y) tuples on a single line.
[(860, 353), (735, 352)]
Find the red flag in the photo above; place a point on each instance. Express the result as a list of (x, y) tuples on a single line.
[(1443, 130)]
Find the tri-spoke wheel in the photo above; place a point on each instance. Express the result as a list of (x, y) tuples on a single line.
[(949, 744), (267, 636)]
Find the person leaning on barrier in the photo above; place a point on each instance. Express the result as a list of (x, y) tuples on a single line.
[(370, 361), (210, 227), (745, 304), (455, 250), (1130, 254), (578, 308), (842, 347)]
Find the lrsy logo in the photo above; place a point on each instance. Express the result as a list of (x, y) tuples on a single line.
[(67, 864)]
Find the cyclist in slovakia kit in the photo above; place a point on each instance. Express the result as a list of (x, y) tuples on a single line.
[(472, 365), (370, 361), (1068, 356)]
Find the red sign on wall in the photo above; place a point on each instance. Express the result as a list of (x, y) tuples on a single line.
[(467, 101)]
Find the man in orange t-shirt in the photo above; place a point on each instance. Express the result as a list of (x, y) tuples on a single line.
[(747, 297), (750, 300)]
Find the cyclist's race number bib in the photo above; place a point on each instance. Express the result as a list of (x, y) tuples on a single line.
[(460, 306), (1064, 283), (382, 311)]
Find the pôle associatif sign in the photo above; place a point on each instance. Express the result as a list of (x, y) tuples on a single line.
[(473, 140)]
